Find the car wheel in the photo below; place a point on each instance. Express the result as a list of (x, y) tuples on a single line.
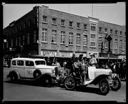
[(37, 74), (104, 86), (116, 84), (47, 80), (13, 76), (69, 83)]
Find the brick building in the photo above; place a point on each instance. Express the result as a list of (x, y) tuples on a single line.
[(47, 32)]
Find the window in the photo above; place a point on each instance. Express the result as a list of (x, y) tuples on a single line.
[(92, 43), (116, 31), (40, 62), (93, 35), (34, 37), (29, 63), (62, 22), (28, 38), (93, 28), (85, 40), (85, 26), (20, 62), (116, 45), (14, 62), (23, 37), (70, 38), (70, 23), (44, 18), (116, 39), (120, 32), (54, 20), (62, 40), (78, 39), (44, 35), (100, 29), (111, 31), (105, 29), (54, 36), (78, 25)]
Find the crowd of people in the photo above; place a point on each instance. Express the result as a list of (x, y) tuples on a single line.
[(81, 64)]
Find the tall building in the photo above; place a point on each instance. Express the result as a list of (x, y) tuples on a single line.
[(47, 32)]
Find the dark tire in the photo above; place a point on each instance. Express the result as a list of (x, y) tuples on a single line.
[(47, 80), (69, 83), (116, 84), (104, 87), (13, 76), (37, 74)]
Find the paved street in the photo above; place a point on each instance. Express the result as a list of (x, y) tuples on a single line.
[(27, 91)]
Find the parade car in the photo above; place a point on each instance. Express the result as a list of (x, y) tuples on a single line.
[(97, 76), (31, 68)]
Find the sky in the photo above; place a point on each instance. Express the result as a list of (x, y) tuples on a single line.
[(110, 12)]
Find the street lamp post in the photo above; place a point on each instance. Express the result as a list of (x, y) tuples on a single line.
[(108, 38)]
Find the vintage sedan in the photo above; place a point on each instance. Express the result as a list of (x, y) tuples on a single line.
[(31, 68)]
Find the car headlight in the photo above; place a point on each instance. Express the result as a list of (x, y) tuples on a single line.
[(53, 71)]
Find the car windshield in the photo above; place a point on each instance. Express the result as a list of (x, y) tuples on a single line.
[(40, 62)]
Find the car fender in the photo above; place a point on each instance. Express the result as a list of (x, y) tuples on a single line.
[(98, 78), (13, 72)]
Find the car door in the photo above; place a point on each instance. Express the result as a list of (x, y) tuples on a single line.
[(29, 69), (20, 68)]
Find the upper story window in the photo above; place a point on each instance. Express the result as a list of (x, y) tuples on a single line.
[(93, 35), (85, 26), (93, 44), (111, 30), (85, 40), (62, 40), (62, 22), (78, 39), (54, 21), (70, 23), (100, 29), (116, 31), (120, 32), (93, 27), (70, 38), (105, 29), (44, 35), (54, 36), (44, 18), (78, 25)]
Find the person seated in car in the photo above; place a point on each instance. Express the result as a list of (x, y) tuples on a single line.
[(93, 61)]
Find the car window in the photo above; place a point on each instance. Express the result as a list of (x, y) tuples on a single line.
[(29, 63), (20, 62), (40, 62), (14, 62)]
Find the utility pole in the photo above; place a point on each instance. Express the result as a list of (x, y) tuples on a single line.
[(92, 9)]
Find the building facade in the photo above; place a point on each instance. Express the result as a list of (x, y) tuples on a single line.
[(47, 32)]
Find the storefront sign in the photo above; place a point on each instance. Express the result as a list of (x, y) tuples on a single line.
[(56, 54), (48, 53)]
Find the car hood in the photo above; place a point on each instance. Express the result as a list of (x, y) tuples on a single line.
[(102, 71), (45, 66)]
